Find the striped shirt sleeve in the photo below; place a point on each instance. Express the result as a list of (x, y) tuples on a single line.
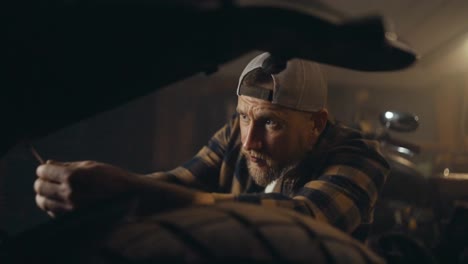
[(202, 171)]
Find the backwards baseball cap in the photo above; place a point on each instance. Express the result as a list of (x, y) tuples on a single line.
[(297, 84)]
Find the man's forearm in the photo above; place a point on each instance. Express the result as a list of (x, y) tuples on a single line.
[(163, 176), (154, 194), (179, 175)]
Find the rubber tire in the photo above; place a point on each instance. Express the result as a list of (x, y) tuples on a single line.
[(223, 233), (233, 233)]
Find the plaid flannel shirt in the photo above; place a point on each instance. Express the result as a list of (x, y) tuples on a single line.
[(338, 182)]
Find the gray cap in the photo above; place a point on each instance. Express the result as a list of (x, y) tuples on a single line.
[(301, 85)]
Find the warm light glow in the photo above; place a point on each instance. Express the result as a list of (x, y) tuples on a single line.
[(388, 115), (465, 45), (391, 36), (446, 172), (404, 150)]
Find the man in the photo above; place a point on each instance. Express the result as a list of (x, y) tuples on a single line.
[(278, 150)]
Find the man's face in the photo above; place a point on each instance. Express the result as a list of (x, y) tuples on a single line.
[(274, 138)]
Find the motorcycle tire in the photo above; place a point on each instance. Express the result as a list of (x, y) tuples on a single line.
[(223, 233), (233, 233)]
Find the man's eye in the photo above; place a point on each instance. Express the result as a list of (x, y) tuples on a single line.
[(244, 117), (271, 123)]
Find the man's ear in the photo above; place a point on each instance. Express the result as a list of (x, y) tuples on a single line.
[(320, 117)]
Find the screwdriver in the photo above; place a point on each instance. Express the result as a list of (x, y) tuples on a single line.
[(36, 154)]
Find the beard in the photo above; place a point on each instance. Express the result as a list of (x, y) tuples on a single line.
[(265, 175)]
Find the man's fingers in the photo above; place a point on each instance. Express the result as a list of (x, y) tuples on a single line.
[(54, 162), (52, 207), (53, 171), (52, 190)]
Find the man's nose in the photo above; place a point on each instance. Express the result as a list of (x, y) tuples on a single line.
[(253, 140)]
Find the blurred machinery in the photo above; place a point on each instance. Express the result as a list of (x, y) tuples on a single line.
[(418, 217)]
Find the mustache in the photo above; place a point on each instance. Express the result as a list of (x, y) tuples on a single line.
[(257, 155)]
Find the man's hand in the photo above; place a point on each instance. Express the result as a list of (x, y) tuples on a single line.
[(66, 186), (63, 187)]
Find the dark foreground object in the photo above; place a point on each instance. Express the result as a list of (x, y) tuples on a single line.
[(225, 233), (64, 61)]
